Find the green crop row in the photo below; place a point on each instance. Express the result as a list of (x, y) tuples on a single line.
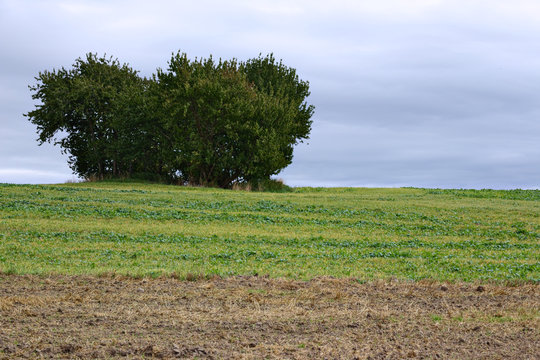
[(144, 229)]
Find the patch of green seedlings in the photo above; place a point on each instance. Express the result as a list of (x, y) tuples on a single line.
[(147, 229)]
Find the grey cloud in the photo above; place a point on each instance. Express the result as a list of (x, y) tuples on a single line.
[(434, 94)]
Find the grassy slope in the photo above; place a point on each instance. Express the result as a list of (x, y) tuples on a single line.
[(143, 229)]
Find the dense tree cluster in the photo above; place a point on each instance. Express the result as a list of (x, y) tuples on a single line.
[(201, 121)]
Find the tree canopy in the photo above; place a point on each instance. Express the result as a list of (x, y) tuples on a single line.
[(202, 121)]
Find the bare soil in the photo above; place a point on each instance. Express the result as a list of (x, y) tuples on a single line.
[(253, 317)]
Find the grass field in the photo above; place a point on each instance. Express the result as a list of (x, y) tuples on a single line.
[(99, 270), (150, 230)]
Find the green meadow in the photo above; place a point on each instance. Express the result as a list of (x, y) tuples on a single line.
[(143, 229)]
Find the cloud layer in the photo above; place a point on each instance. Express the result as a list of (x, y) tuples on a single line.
[(407, 93)]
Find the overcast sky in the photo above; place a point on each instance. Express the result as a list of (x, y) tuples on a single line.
[(420, 93)]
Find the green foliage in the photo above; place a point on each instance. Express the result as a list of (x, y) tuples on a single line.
[(282, 84), (200, 122), (97, 106), (269, 185), (140, 229), (229, 125), (209, 109)]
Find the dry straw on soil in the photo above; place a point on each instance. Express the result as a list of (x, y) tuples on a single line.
[(112, 317)]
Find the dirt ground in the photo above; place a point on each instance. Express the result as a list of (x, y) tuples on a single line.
[(255, 317)]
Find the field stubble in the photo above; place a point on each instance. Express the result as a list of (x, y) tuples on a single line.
[(254, 317)]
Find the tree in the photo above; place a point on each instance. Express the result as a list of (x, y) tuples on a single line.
[(87, 111), (208, 109), (285, 117), (201, 122), (232, 121)]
